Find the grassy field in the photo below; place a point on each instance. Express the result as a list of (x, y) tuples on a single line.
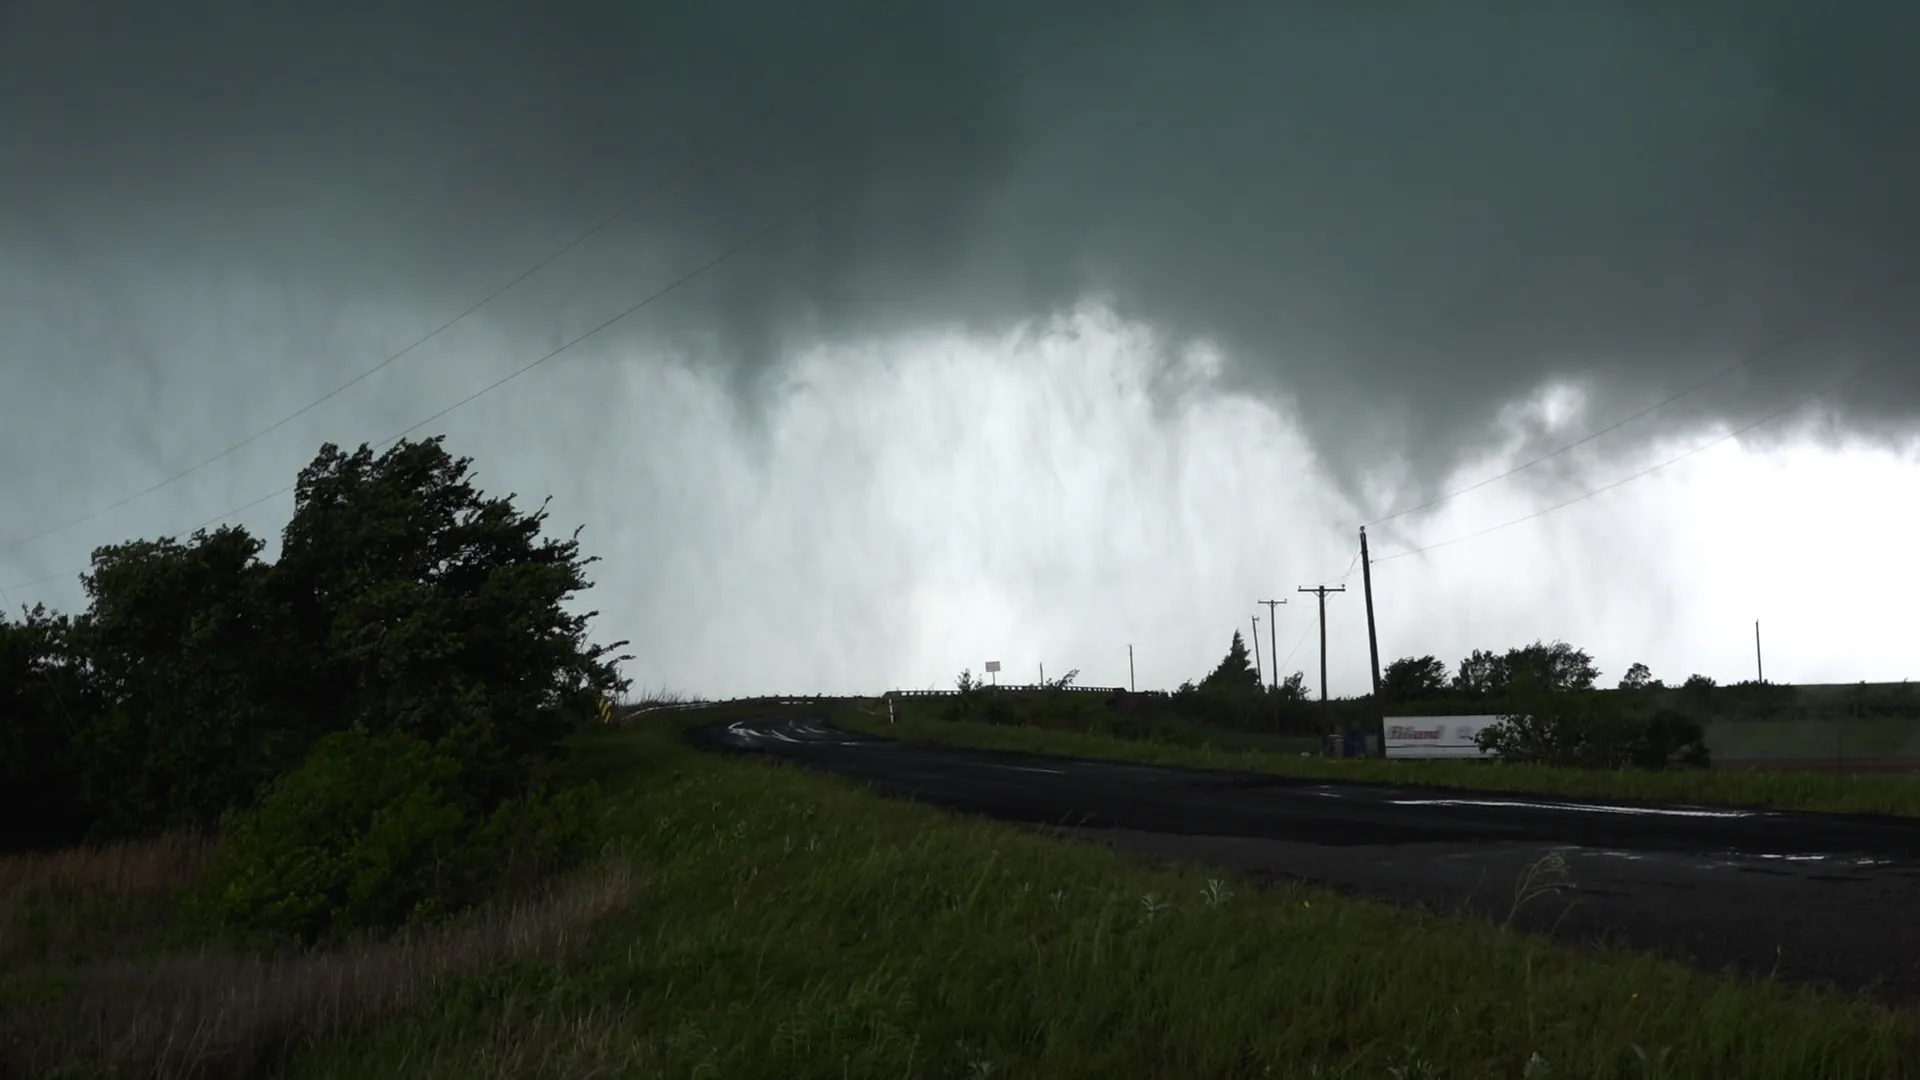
[(780, 924), (1783, 791)]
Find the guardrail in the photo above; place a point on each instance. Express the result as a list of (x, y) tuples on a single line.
[(632, 712), (1026, 688)]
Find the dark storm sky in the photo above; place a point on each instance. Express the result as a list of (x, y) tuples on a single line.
[(1406, 215)]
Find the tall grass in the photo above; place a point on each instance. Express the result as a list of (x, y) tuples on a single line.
[(796, 927), (111, 900), (220, 1013), (1824, 792)]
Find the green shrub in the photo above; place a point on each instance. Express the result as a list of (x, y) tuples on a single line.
[(368, 831), (371, 832), (1590, 732)]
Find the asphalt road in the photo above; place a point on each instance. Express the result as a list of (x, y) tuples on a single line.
[(1812, 898)]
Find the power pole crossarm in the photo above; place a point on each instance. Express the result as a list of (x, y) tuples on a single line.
[(1321, 591)]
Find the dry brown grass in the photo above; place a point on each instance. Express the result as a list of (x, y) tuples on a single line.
[(520, 1043), (160, 867), (223, 1014), (82, 903)]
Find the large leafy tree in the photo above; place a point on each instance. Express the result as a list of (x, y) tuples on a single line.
[(1552, 666), (44, 698), (188, 654), (1640, 677), (1414, 678), (1481, 673), (1539, 666), (403, 601), (437, 612)]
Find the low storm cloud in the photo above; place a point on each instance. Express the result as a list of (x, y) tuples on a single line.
[(1358, 253)]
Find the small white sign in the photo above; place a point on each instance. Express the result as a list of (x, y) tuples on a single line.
[(993, 666), (1436, 736)]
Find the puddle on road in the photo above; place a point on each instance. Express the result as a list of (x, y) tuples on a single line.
[(1738, 860)]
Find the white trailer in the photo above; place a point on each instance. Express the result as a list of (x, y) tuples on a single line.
[(1436, 737)]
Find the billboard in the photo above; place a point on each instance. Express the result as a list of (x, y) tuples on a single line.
[(1416, 737)]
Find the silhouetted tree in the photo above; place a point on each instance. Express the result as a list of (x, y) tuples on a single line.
[(1414, 678), (1293, 687), (46, 696), (1638, 677), (403, 601), (1541, 666), (1235, 669), (1481, 673), (196, 665), (1553, 666), (437, 612)]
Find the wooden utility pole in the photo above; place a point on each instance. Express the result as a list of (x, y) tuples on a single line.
[(1130, 687), (1373, 638), (1256, 650), (1273, 644), (1321, 591), (1759, 668)]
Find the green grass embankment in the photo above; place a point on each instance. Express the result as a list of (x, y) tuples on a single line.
[(792, 926), (782, 924)]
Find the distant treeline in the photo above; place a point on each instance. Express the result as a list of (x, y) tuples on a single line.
[(1484, 682)]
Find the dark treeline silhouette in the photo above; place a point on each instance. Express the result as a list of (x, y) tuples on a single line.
[(1548, 695), (409, 648)]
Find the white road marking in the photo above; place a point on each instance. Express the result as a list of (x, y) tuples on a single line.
[(1578, 807)]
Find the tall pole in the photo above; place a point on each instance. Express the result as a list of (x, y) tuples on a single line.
[(1257, 677), (1321, 591), (1373, 638), (1043, 674), (1760, 669), (1273, 644), (1130, 686)]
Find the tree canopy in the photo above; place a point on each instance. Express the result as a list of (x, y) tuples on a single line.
[(1414, 678), (403, 602)]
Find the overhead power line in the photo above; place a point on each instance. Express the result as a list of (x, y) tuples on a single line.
[(995, 90), (687, 166), (1734, 434), (1301, 640), (1803, 331)]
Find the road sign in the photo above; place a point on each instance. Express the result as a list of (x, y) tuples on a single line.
[(993, 666)]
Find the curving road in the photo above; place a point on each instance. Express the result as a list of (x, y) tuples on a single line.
[(1804, 897)]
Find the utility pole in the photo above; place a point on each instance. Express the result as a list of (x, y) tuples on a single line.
[(1130, 687), (1373, 639), (1257, 677), (1321, 591), (1760, 669), (1043, 675), (1273, 644)]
